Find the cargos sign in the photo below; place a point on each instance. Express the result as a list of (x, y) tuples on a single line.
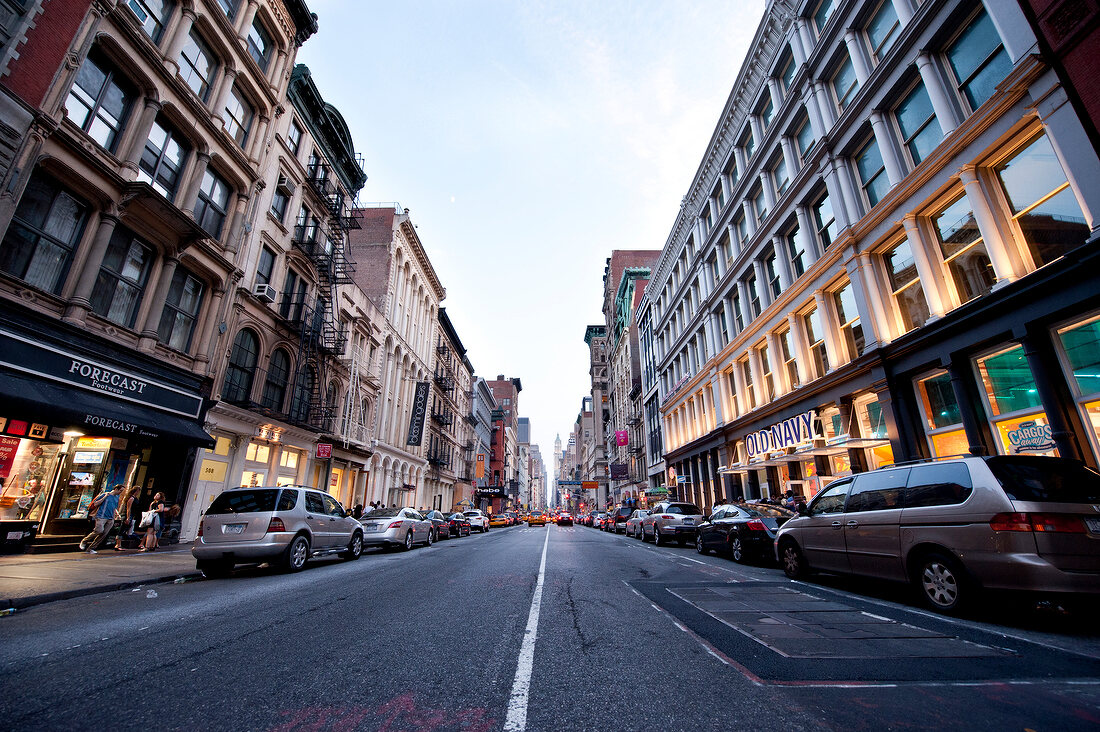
[(788, 433)]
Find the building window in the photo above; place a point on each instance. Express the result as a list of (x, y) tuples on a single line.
[(1042, 202), (775, 287), (779, 175), (805, 139), (229, 7), (747, 143), (238, 116), (917, 122), (265, 266), (822, 14), (162, 159), (815, 337), (181, 310), (963, 250), (942, 416), (1013, 401), (825, 221), (848, 314), (978, 60), (766, 370), (719, 196), (1081, 345), (741, 224), (883, 30), (845, 84), (212, 204), (259, 44), (722, 327), (38, 246), (872, 173), (294, 137), (152, 15), (750, 388), (242, 366), (787, 351), (122, 278), (738, 319), (197, 66), (901, 270), (786, 72), (796, 250), (731, 173), (99, 100), (759, 204), (766, 112), (294, 296), (278, 376), (706, 218), (280, 199), (754, 296)]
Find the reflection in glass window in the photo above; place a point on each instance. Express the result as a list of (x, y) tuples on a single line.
[(1082, 346), (242, 364), (767, 112), (787, 352), (825, 221), (845, 84), (815, 337), (754, 295), (786, 72), (1042, 202), (901, 269), (766, 370), (1008, 381), (212, 203), (99, 100), (259, 45), (750, 388), (779, 175), (162, 159), (760, 205), (883, 30), (796, 249), (181, 310), (38, 246), (848, 314), (197, 66), (748, 144), (872, 172), (963, 250), (122, 278), (805, 138), (979, 60), (938, 399), (151, 14), (278, 375), (920, 130), (238, 116), (822, 14)]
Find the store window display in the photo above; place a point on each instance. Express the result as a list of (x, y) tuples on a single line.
[(1018, 420), (1080, 352)]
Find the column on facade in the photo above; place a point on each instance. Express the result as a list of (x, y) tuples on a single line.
[(757, 132), (722, 410), (235, 221), (828, 326), (244, 21), (739, 385), (81, 301), (783, 260), (220, 98), (1073, 149), (904, 9), (775, 362), (742, 161), (769, 191), (798, 51), (776, 92), (763, 289), (836, 195), (801, 351), (206, 330), (192, 181), (278, 68), (150, 323), (259, 138), (805, 34), (872, 315), (850, 197), (928, 269), (889, 148), (943, 104), (179, 35), (1006, 265), (790, 157), (757, 369), (133, 144), (809, 101), (861, 61), (746, 308), (807, 229), (1013, 28), (825, 104)]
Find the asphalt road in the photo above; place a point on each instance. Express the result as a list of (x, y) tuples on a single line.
[(627, 636)]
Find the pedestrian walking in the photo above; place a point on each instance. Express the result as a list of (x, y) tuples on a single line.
[(357, 512), (103, 507), (125, 515), (155, 513)]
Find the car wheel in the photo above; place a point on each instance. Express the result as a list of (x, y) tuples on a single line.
[(699, 546), (657, 536), (794, 564), (737, 549), (485, 529), (296, 554), (409, 540), (355, 547), (942, 583), (213, 569), (431, 538)]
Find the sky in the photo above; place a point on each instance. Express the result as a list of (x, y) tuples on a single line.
[(528, 140)]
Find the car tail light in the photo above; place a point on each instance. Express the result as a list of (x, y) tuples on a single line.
[(1041, 522), (275, 524), (394, 525), (200, 529), (666, 518), (755, 525)]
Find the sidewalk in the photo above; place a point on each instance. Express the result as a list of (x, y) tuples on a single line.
[(33, 579)]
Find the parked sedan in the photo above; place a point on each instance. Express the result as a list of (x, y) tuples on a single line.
[(634, 523), (458, 524), (672, 520), (396, 527), (440, 529), (478, 520), (744, 530)]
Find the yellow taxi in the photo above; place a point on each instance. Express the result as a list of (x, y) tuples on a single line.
[(498, 519), (536, 518)]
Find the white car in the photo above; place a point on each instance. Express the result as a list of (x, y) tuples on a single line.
[(396, 527), (478, 520)]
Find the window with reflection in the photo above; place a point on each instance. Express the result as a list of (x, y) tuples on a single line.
[(786, 347), (825, 221), (978, 60), (275, 383), (848, 315), (754, 295), (750, 388), (796, 251), (844, 83), (294, 136), (942, 416), (163, 158), (805, 139), (872, 172), (152, 15), (181, 310), (766, 370), (259, 44), (775, 286), (780, 178), (766, 111), (212, 203), (197, 65), (122, 278), (1042, 202), (815, 339), (242, 366), (238, 116), (963, 250), (100, 100), (738, 319), (908, 295), (39, 243), (759, 204), (920, 130), (747, 143), (822, 14), (229, 7), (786, 72), (882, 30)]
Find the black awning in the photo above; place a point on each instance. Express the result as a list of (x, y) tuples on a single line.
[(29, 398)]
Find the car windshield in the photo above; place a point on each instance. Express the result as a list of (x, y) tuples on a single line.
[(762, 509), (249, 501), (382, 513), (687, 509), (472, 513), (1045, 479)]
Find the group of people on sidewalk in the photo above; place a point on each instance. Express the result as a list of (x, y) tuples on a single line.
[(116, 506)]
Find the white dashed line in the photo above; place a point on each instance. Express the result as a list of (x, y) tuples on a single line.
[(517, 703)]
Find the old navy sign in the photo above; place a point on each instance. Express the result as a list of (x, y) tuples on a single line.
[(779, 436), (55, 364)]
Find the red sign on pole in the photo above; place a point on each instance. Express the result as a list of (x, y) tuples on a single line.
[(324, 449)]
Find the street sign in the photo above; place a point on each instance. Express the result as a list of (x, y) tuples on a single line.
[(589, 485), (324, 449)]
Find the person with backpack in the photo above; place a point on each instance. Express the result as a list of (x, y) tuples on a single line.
[(103, 508)]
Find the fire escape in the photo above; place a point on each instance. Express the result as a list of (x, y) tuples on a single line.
[(440, 452)]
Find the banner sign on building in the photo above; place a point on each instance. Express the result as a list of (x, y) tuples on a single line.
[(324, 449), (779, 436), (621, 439), (589, 485), (619, 471), (419, 412)]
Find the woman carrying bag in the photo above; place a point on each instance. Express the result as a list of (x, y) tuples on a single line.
[(151, 520)]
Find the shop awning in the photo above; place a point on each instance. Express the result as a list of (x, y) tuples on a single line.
[(37, 400), (844, 443)]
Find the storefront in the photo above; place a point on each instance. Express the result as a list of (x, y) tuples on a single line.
[(80, 416)]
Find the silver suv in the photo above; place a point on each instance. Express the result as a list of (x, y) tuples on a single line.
[(288, 524), (671, 520), (952, 527)]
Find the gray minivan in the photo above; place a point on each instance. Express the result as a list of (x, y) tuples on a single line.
[(952, 527)]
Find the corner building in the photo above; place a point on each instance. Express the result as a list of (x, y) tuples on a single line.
[(889, 251)]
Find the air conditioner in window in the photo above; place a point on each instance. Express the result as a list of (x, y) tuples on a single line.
[(285, 184), (264, 292)]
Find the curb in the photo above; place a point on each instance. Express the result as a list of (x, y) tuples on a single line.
[(21, 603)]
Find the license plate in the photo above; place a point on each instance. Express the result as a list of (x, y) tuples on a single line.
[(689, 521), (371, 528), (15, 535), (235, 528), (1093, 524)]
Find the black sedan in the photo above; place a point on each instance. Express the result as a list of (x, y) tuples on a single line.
[(440, 526), (743, 530), (458, 525)]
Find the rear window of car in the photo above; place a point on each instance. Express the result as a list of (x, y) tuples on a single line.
[(687, 509), (251, 501), (1045, 479), (472, 513), (381, 513)]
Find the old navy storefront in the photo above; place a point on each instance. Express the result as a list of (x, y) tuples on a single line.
[(78, 416)]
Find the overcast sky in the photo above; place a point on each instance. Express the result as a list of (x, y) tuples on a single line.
[(528, 140)]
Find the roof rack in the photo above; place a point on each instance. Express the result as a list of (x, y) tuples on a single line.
[(920, 461)]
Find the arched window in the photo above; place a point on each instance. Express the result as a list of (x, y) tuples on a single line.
[(278, 373), (303, 389), (242, 366)]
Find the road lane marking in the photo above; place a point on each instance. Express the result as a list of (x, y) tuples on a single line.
[(516, 720)]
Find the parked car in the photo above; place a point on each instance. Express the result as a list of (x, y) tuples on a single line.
[(402, 527), (288, 525), (670, 520), (618, 519), (499, 519), (536, 518), (598, 519), (954, 527), (478, 520), (458, 524), (744, 530), (440, 528), (565, 519), (634, 523)]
